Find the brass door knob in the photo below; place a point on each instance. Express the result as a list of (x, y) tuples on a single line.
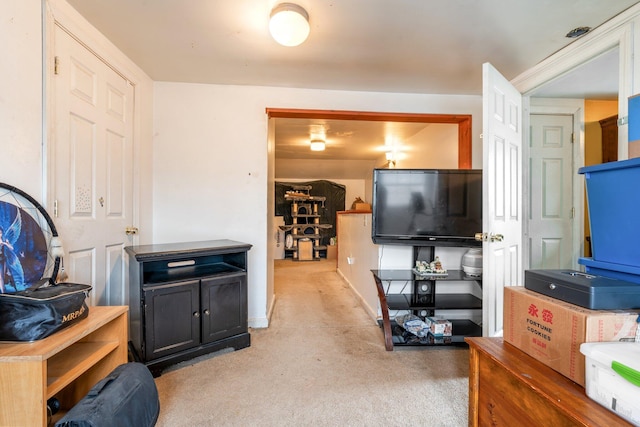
[(131, 230)]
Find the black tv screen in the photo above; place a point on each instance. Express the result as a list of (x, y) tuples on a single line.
[(427, 207)]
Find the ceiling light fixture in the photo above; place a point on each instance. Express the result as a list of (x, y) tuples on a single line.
[(391, 149), (289, 24), (317, 145)]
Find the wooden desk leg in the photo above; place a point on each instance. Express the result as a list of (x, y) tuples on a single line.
[(386, 323), (474, 376)]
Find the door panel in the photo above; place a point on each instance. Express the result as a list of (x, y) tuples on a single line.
[(551, 192), (83, 81), (172, 318), (82, 172), (82, 262), (93, 175), (502, 187), (116, 171), (224, 307)]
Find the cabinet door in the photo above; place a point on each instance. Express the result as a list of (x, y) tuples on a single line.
[(224, 306), (172, 318)]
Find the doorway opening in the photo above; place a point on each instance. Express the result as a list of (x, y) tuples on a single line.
[(352, 123), (464, 155)]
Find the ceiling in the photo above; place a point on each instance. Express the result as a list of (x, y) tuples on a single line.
[(400, 46)]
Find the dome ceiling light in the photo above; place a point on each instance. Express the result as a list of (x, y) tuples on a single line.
[(289, 24)]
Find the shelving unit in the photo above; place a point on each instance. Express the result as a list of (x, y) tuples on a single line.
[(64, 365), (418, 295), (304, 232)]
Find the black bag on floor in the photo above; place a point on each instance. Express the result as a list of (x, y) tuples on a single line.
[(126, 397), (41, 310)]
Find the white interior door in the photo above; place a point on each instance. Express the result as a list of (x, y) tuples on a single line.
[(502, 201), (93, 173), (551, 212)]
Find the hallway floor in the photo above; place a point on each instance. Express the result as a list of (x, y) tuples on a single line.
[(321, 362)]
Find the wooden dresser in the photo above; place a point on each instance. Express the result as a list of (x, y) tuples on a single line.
[(508, 388)]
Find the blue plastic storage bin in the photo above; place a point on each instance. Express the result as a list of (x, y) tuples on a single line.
[(613, 197), (608, 269)]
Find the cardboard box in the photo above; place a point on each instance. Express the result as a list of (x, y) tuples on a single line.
[(332, 251), (305, 250), (551, 330), (362, 206), (439, 327)]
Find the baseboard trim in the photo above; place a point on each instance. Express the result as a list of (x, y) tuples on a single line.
[(263, 322), (372, 313)]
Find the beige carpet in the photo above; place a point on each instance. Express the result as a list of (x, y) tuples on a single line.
[(321, 362)]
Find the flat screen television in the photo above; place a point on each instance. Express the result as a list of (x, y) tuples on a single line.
[(427, 207)]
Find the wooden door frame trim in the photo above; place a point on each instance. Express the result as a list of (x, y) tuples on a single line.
[(462, 120)]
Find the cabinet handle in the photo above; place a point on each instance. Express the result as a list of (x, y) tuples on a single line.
[(196, 314), (207, 312)]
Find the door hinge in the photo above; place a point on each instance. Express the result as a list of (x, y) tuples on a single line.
[(573, 137), (623, 121), (56, 63), (573, 213), (55, 208)]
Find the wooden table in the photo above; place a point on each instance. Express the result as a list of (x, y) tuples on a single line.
[(508, 388), (64, 365)]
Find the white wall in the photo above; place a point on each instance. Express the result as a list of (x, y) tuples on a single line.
[(21, 140), (436, 148), (211, 161), (357, 256)]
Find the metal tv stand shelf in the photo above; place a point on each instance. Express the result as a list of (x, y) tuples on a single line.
[(423, 301)]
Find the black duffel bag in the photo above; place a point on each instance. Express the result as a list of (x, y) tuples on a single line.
[(41, 310), (127, 397)]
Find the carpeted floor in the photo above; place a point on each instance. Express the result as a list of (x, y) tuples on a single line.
[(321, 362)]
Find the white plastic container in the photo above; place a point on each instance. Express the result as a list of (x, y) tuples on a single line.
[(612, 371)]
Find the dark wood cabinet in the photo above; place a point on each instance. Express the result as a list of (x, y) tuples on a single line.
[(609, 139), (187, 299)]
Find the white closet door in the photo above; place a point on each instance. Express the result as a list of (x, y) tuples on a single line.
[(93, 153), (551, 214)]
